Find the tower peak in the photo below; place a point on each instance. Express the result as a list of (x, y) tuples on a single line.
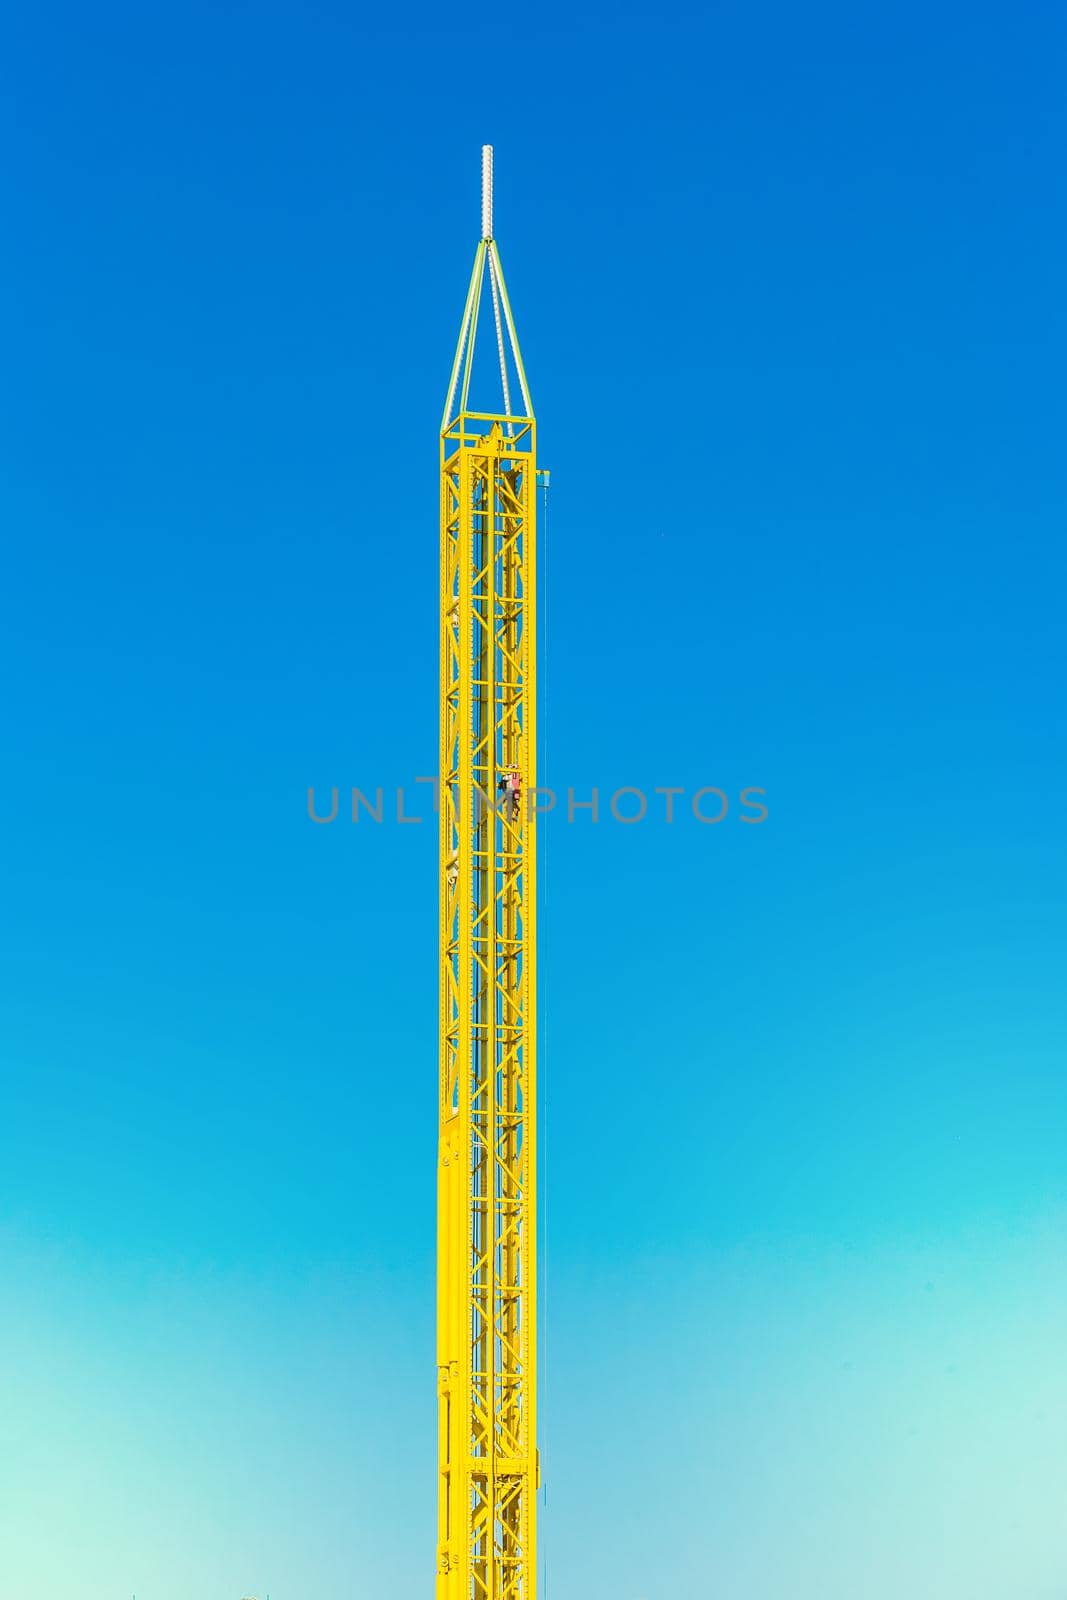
[(487, 265)]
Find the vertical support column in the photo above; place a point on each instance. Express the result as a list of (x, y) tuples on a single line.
[(453, 1350), (487, 1156)]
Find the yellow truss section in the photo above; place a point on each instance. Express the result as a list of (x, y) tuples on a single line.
[(487, 1313)]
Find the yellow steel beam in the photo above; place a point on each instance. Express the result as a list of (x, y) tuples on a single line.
[(487, 1172)]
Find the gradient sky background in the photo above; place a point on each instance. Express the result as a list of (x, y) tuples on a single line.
[(790, 284)]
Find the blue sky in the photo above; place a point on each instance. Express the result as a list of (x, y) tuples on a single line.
[(789, 286)]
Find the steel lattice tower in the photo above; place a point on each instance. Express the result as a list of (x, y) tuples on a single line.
[(486, 1303)]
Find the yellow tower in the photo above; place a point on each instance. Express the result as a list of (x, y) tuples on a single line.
[(486, 1285)]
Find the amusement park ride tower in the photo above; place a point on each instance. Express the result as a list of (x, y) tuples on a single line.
[(487, 1156)]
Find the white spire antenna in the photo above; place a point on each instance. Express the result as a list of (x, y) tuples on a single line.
[(487, 191), (487, 264)]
